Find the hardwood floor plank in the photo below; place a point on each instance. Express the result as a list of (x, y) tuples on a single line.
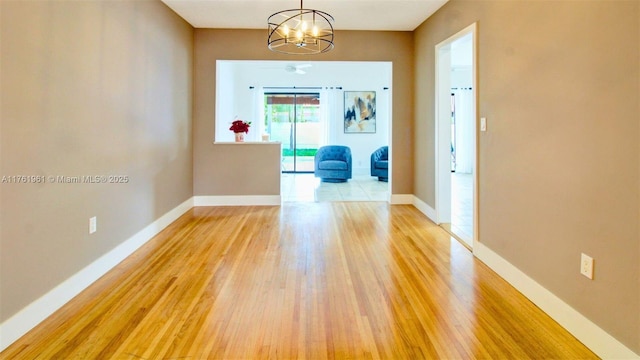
[(300, 281)]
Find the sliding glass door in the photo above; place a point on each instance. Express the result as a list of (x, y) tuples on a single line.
[(294, 120)]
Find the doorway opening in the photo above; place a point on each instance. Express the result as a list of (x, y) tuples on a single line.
[(456, 174), (241, 89), (294, 120)]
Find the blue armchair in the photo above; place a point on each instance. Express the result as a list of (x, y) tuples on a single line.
[(333, 163), (380, 164)]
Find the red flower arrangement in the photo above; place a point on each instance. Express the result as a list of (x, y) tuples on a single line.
[(239, 126)]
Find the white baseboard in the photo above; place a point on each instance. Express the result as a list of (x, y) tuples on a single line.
[(361, 171), (590, 334), (401, 199), (425, 209), (240, 200), (31, 315)]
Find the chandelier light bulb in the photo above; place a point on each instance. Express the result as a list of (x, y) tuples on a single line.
[(315, 31), (285, 30), (304, 26)]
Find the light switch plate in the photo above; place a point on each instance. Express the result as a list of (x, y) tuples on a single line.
[(483, 124)]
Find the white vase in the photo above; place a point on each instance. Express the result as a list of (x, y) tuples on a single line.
[(239, 137)]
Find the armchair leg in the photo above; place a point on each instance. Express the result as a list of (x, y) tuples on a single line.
[(333, 180)]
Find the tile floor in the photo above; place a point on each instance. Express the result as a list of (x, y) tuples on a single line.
[(462, 206), (306, 187)]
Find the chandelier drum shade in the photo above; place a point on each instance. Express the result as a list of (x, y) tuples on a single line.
[(300, 31)]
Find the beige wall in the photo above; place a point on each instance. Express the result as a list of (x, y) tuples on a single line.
[(106, 87), (211, 174), (88, 88), (559, 83)]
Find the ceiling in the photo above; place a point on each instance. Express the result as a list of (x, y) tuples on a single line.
[(392, 15)]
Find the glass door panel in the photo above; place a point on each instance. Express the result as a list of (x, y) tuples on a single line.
[(294, 120)]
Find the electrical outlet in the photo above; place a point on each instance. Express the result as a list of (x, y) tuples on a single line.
[(586, 266), (93, 225)]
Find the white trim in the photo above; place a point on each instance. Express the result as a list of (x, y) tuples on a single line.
[(31, 315), (443, 203), (424, 208), (247, 143), (401, 199), (237, 200), (476, 159), (590, 334), (442, 134)]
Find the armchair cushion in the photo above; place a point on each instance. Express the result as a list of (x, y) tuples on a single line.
[(382, 164), (332, 165)]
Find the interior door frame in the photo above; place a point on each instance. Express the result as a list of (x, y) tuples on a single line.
[(443, 130)]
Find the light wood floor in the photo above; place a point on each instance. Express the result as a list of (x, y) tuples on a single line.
[(305, 280)]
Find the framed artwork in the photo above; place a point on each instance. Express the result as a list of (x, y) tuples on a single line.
[(360, 112)]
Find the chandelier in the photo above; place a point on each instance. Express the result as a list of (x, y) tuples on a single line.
[(300, 31)]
